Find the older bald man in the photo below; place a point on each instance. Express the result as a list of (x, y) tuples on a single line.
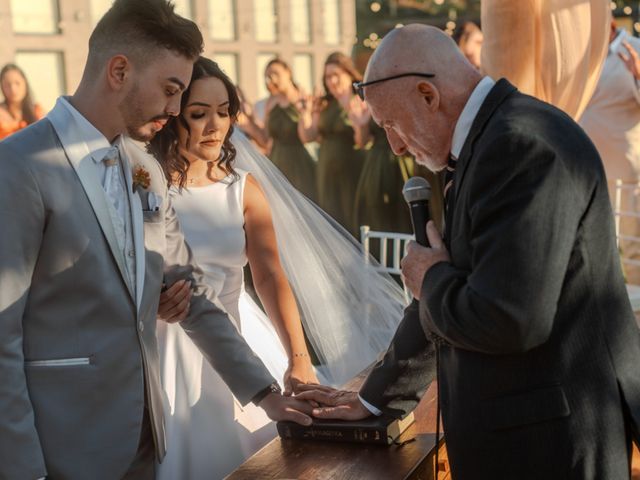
[(524, 298)]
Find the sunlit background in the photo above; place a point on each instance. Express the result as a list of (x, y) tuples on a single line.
[(48, 38)]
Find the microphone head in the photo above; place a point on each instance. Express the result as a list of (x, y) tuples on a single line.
[(416, 189)]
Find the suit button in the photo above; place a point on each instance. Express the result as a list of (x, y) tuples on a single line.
[(131, 253), (141, 326)]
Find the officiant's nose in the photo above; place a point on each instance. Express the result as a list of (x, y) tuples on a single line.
[(395, 142)]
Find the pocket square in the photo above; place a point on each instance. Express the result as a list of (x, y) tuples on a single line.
[(154, 201), (151, 201)]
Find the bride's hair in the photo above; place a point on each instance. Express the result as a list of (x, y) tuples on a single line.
[(164, 146)]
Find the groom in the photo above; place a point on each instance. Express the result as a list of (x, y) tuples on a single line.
[(88, 236)]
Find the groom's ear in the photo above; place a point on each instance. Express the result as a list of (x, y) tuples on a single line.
[(118, 72)]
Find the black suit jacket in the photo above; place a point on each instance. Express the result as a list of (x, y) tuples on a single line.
[(540, 366)]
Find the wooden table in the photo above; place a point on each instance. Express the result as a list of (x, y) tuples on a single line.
[(315, 460)]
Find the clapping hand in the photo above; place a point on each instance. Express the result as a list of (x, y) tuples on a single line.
[(631, 60), (336, 404)]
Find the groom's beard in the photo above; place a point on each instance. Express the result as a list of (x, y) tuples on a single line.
[(140, 126)]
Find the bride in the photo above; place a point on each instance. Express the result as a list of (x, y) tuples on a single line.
[(234, 206)]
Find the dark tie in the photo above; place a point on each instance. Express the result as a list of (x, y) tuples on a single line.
[(449, 177)]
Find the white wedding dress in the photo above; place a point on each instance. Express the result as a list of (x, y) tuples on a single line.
[(208, 433)]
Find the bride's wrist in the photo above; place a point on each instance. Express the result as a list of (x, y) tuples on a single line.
[(299, 357)]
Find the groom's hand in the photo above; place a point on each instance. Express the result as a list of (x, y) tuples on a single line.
[(337, 404), (278, 407)]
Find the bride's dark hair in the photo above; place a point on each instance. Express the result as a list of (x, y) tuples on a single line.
[(164, 146)]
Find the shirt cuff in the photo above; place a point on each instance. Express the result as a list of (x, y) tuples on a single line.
[(370, 407)]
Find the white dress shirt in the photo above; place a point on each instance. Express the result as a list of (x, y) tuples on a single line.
[(460, 134), (113, 183)]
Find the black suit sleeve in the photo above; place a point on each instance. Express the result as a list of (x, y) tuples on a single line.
[(399, 380), (524, 211)]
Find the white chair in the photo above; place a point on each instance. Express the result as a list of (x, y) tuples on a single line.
[(626, 203), (393, 246)]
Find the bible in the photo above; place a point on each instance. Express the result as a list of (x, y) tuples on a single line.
[(382, 430)]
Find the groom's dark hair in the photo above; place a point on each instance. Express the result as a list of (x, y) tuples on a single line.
[(137, 29)]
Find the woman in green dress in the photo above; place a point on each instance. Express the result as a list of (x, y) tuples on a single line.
[(287, 152), (326, 119)]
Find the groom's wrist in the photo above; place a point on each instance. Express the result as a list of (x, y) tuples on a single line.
[(262, 394)]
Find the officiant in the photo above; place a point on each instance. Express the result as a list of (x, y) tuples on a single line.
[(522, 303)]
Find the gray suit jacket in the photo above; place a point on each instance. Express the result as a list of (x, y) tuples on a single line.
[(78, 351)]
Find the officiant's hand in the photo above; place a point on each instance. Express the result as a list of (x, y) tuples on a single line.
[(278, 407), (175, 302), (419, 259), (338, 404)]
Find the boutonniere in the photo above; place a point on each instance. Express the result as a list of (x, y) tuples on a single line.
[(141, 178)]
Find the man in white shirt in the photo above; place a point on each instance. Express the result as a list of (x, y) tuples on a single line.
[(88, 238), (612, 121)]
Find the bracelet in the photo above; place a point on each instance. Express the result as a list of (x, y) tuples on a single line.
[(300, 354)]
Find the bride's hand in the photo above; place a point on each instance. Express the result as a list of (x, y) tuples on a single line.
[(175, 301), (300, 372)]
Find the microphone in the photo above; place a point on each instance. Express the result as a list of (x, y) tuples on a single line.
[(417, 192)]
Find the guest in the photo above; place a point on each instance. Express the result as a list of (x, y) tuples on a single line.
[(17, 109), (469, 38), (287, 152), (260, 107), (523, 304), (249, 124), (326, 119), (551, 50), (612, 120)]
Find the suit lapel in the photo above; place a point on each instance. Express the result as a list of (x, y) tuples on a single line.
[(80, 159), (496, 96), (137, 222)]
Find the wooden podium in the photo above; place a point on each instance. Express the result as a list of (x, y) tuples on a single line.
[(317, 460)]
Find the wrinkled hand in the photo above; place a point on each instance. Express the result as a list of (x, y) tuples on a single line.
[(419, 259), (631, 60), (175, 302), (299, 373), (338, 404), (279, 407)]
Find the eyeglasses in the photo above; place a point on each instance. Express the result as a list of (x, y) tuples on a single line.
[(358, 87)]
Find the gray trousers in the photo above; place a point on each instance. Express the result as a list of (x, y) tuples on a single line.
[(143, 465)]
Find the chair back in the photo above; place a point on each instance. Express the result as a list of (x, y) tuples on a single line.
[(393, 246)]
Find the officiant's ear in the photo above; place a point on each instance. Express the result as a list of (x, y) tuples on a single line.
[(430, 94), (118, 71)]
